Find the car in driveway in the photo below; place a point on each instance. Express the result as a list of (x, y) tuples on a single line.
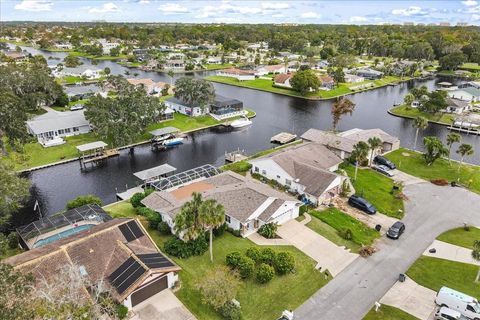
[(381, 160), (396, 230), (362, 204), (77, 107), (445, 313), (383, 170)]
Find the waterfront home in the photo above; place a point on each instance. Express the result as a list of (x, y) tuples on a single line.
[(17, 56), (470, 94), (320, 64), (221, 107), (248, 203), (239, 74), (457, 106), (307, 169), (342, 144), (269, 69), (83, 91), (107, 46), (214, 60), (283, 80), (352, 78), (327, 82), (92, 74), (118, 253), (51, 127), (63, 46), (174, 64), (369, 74), (150, 86)]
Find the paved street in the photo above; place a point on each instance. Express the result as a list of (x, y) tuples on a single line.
[(430, 211)]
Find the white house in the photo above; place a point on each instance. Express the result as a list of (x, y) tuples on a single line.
[(91, 74), (214, 60), (239, 74), (107, 46), (457, 106), (275, 69), (188, 109), (352, 78)]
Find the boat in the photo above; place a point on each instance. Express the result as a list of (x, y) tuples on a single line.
[(173, 142), (241, 122)]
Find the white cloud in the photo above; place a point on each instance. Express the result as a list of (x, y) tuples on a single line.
[(310, 15), (172, 8), (475, 17), (275, 5), (34, 5), (356, 19), (410, 11), (143, 2), (105, 8), (225, 8), (470, 3), (278, 15)]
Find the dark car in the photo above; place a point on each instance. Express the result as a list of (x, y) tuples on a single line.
[(396, 230), (362, 204), (385, 162)]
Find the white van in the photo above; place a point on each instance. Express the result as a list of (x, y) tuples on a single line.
[(445, 313), (466, 305)]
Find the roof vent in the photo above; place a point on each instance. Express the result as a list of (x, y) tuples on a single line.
[(83, 271)]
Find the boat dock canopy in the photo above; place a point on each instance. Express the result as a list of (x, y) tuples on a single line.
[(164, 131), (91, 146), (155, 172), (283, 138)]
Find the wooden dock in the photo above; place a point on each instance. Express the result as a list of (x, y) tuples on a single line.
[(235, 156), (283, 138)]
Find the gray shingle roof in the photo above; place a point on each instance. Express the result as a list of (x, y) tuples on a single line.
[(52, 121)]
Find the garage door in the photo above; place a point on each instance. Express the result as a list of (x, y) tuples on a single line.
[(149, 290)]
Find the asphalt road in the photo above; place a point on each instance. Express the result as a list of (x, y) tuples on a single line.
[(430, 211)]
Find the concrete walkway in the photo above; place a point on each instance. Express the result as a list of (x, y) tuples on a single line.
[(162, 306), (412, 298), (451, 252), (307, 219), (326, 253), (262, 241)]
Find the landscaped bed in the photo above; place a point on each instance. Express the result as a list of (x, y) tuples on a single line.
[(461, 237), (409, 112), (387, 312)]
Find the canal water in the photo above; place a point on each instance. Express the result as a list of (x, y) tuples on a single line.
[(54, 186)]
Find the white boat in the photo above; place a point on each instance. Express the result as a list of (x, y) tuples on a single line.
[(241, 122), (172, 142)]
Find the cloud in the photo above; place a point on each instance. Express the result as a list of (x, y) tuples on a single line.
[(410, 11), (310, 15), (356, 19), (144, 2), (278, 15), (105, 8), (274, 5), (470, 3), (34, 5), (475, 17), (172, 8)]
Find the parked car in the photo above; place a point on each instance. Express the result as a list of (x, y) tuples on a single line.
[(384, 161), (76, 107), (445, 313), (396, 230), (383, 170), (468, 306), (362, 204)]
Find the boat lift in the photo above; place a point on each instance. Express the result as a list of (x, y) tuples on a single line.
[(95, 153), (162, 134), (151, 175)]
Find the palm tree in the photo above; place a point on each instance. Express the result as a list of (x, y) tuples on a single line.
[(408, 99), (211, 215), (464, 150), (170, 73), (419, 123), (476, 256), (359, 153), (452, 138), (187, 221), (374, 144), (340, 107)]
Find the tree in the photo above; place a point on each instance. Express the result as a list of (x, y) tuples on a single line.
[(13, 114), (476, 256), (341, 107), (171, 74), (218, 287), (14, 191), (434, 149), (464, 150), (188, 220), (71, 61), (115, 52), (107, 71), (338, 75), (211, 216), (359, 154), (419, 123), (408, 99), (195, 91), (419, 92), (15, 300), (374, 143), (452, 61), (437, 100), (452, 138), (305, 81), (83, 200)]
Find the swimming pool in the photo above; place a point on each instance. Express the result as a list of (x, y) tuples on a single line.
[(61, 235)]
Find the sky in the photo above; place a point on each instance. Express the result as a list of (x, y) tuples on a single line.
[(196, 11)]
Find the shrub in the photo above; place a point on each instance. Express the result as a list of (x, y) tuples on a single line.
[(230, 311), (268, 230), (264, 273), (136, 199), (246, 267), (164, 228), (83, 200), (153, 217), (268, 256), (345, 190), (236, 233), (345, 233), (143, 211), (181, 249), (284, 263), (12, 240), (366, 251), (233, 259), (122, 311), (303, 209), (254, 254), (218, 231)]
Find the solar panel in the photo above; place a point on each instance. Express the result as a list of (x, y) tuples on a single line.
[(155, 260), (127, 233), (125, 275), (137, 232)]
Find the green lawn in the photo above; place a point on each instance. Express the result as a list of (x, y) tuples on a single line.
[(217, 66), (257, 301), (85, 55), (130, 64), (413, 163), (387, 312), (435, 273), (338, 220), (376, 188), (10, 253), (470, 66), (461, 237), (408, 112)]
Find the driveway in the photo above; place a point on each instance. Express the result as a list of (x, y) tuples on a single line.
[(327, 254), (430, 211), (162, 306)]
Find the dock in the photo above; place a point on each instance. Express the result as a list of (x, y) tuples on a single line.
[(235, 156), (126, 195), (160, 135), (154, 174), (95, 153), (283, 138)]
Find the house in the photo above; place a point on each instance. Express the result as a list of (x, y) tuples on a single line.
[(107, 46), (64, 46), (369, 74), (283, 80), (221, 107), (342, 144), (307, 169), (327, 82), (214, 60), (54, 125), (91, 74), (83, 92), (275, 69), (248, 203), (151, 87), (118, 252), (470, 94), (239, 74), (17, 56), (174, 64), (320, 64), (457, 106), (352, 78)]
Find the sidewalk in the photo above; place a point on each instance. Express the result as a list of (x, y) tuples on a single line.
[(262, 241)]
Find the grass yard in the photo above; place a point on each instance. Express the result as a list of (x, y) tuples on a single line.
[(413, 163), (217, 66), (10, 253), (85, 55), (376, 188), (408, 112), (461, 237), (337, 220), (470, 66), (435, 273), (387, 312)]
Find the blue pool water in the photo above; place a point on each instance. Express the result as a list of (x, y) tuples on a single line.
[(61, 235)]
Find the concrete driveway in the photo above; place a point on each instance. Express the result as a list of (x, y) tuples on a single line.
[(327, 254), (430, 211), (162, 306)]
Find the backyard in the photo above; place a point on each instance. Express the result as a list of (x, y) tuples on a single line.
[(409, 112)]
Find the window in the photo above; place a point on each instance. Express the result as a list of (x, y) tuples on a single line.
[(256, 169), (67, 130), (264, 172), (278, 177), (227, 219), (288, 182), (470, 308), (61, 131), (75, 129)]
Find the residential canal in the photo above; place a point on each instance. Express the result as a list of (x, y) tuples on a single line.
[(54, 186)]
